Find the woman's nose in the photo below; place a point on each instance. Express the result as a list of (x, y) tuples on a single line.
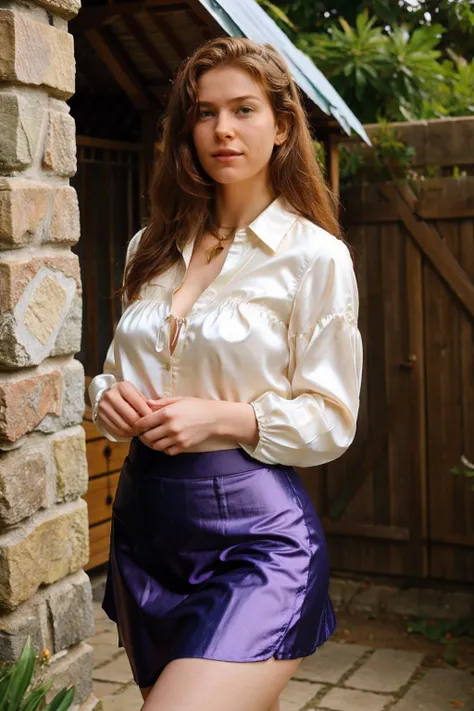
[(224, 127)]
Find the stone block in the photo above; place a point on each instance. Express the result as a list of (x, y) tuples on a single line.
[(73, 667), (57, 617), (19, 275), (30, 330), (387, 670), (16, 627), (330, 662), (350, 700), (73, 403), (69, 337), (65, 223), (439, 690), (70, 607), (33, 213), (36, 53), (60, 145), (21, 126), (69, 450), (27, 399), (66, 9), (50, 545), (23, 481)]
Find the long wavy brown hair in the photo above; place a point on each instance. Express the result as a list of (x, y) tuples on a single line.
[(182, 195)]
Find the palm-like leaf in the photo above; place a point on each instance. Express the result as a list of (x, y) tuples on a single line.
[(14, 683), (352, 56)]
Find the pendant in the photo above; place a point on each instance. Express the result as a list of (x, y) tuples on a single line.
[(214, 252)]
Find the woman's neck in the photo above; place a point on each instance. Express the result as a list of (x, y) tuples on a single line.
[(239, 204)]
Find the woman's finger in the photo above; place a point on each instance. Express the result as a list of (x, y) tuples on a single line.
[(110, 425), (108, 410), (134, 398)]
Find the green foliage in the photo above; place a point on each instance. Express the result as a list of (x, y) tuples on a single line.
[(441, 630), (17, 692), (391, 60)]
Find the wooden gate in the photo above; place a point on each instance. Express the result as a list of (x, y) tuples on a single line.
[(391, 505)]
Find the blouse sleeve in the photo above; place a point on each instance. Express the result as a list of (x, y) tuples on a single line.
[(318, 423), (111, 373)]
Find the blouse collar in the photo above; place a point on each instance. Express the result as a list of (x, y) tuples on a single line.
[(270, 226)]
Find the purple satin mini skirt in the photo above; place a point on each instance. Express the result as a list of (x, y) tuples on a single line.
[(214, 555)]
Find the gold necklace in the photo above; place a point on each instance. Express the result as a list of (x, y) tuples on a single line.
[(216, 249)]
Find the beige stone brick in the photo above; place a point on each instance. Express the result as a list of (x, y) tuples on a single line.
[(65, 224), (64, 8), (25, 211), (26, 400), (23, 481), (60, 145), (17, 273), (36, 53), (44, 309), (49, 546), (21, 119), (57, 617), (69, 449), (31, 213)]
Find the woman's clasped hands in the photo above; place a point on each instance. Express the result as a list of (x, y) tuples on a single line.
[(177, 423), (170, 425)]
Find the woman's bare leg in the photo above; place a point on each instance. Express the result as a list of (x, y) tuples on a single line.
[(207, 685), (146, 691)]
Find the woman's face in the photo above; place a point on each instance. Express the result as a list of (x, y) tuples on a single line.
[(236, 130)]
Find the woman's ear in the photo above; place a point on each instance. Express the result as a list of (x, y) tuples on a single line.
[(282, 130)]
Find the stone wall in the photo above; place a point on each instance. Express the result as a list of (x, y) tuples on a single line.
[(44, 539)]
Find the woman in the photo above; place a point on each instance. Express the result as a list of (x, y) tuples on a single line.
[(237, 357)]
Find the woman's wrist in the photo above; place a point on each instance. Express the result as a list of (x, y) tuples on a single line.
[(235, 420)]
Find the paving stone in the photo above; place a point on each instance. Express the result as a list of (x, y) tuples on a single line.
[(387, 670), (296, 694), (102, 689), (102, 622), (130, 699), (351, 700), (107, 637), (118, 670), (104, 653), (330, 662), (440, 690)]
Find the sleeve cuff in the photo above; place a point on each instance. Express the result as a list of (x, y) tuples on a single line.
[(256, 451)]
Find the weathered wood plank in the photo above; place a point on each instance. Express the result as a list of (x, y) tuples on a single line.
[(105, 456), (100, 496), (433, 247), (99, 537)]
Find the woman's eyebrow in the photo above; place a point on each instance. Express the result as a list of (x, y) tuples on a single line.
[(231, 101)]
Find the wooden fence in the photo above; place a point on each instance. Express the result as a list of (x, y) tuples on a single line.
[(391, 505)]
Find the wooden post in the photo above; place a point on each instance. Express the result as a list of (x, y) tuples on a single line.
[(331, 151)]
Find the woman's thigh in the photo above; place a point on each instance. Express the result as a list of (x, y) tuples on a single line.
[(207, 685)]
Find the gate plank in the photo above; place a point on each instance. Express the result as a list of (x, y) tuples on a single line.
[(430, 242)]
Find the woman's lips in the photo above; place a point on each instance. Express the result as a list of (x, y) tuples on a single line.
[(227, 158)]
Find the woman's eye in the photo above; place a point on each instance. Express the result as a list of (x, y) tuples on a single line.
[(204, 113), (246, 109)]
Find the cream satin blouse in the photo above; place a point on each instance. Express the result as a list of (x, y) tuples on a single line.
[(277, 329)]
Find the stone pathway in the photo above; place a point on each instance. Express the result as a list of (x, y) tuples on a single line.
[(339, 677)]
